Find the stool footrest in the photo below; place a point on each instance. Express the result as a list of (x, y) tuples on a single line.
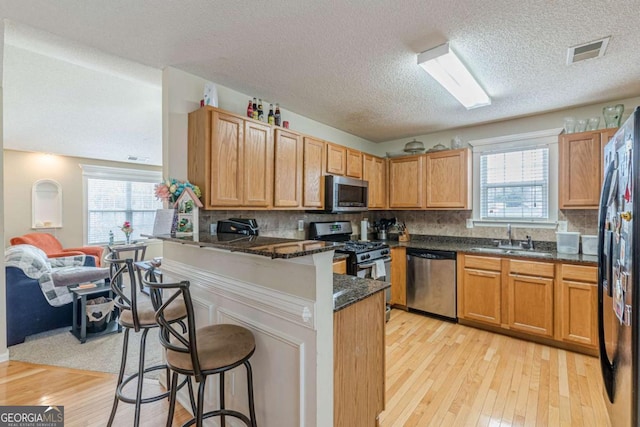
[(123, 398)]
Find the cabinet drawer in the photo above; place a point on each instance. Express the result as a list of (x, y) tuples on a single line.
[(482, 262), (531, 268), (580, 273)]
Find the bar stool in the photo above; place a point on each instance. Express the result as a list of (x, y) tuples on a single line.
[(209, 350), (139, 316)]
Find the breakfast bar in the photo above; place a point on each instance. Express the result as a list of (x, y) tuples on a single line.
[(285, 292)]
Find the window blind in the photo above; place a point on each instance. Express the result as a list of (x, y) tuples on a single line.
[(514, 185)]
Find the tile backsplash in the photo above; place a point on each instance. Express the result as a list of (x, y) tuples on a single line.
[(443, 223)]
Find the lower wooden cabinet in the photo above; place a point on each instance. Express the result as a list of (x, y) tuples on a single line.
[(340, 266), (531, 297), (578, 305), (359, 363), (480, 289), (399, 276)]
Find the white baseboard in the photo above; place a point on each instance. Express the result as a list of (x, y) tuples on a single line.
[(4, 356)]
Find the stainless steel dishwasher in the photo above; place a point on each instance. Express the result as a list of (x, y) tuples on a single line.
[(431, 282)]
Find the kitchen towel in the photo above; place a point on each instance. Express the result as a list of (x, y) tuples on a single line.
[(377, 269), (362, 274)]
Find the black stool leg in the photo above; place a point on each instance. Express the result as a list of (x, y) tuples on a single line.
[(194, 408), (200, 402), (252, 409), (123, 364), (143, 344), (172, 398), (223, 422)]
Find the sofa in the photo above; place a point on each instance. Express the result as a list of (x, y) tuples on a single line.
[(53, 248), (28, 310)]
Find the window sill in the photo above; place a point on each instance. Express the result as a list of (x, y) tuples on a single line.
[(515, 224)]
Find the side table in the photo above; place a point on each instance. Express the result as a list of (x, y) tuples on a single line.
[(79, 329)]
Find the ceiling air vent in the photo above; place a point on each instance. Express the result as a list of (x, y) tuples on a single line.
[(582, 52)]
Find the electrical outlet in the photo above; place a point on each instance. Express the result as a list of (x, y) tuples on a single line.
[(469, 223), (301, 225), (562, 226), (213, 228)]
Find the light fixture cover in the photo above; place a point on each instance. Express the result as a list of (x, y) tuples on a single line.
[(444, 66)]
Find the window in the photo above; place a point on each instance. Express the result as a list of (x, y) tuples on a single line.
[(113, 196), (516, 179), (514, 185)]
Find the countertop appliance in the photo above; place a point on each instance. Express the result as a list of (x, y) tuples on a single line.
[(365, 259), (246, 226), (431, 282), (618, 274), (342, 194)]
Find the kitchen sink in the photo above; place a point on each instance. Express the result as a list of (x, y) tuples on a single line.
[(519, 252)]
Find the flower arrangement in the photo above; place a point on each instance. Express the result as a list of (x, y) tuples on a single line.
[(170, 189), (127, 230)]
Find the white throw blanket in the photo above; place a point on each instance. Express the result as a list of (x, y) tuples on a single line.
[(52, 274)]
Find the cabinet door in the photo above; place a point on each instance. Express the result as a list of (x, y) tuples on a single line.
[(340, 267), (227, 157), (336, 159), (287, 189), (374, 171), (313, 173), (354, 163), (399, 276), (531, 304), (258, 165), (579, 178), (605, 137), (578, 305), (481, 294), (448, 175), (406, 177)]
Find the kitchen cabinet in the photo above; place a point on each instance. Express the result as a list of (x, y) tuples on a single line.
[(530, 289), (313, 173), (288, 165), (374, 171), (480, 289), (359, 362), (340, 266), (354, 163), (406, 182), (580, 168), (336, 159), (230, 158), (399, 276), (448, 179), (605, 137), (578, 305)]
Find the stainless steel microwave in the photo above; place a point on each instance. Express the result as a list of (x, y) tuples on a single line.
[(344, 194)]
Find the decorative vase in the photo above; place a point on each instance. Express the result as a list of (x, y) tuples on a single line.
[(128, 237), (612, 115)]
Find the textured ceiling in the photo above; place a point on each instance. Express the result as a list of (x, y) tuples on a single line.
[(352, 64)]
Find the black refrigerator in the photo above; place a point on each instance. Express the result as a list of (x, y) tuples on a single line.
[(618, 275)]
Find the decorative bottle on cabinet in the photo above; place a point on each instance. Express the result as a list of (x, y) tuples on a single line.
[(255, 109), (260, 111), (276, 116), (250, 110), (270, 117)]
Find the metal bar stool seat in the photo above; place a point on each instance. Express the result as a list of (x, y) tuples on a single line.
[(139, 316), (200, 352)]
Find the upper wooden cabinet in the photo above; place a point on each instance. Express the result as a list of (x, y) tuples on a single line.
[(406, 178), (354, 163), (288, 177), (374, 170), (336, 159), (313, 173), (580, 168), (230, 158), (449, 179)]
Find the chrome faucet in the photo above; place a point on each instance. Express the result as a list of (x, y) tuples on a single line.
[(509, 234)]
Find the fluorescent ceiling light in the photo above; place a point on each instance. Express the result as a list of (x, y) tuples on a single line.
[(448, 70)]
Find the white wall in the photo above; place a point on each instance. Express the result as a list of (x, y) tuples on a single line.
[(4, 353), (508, 127)]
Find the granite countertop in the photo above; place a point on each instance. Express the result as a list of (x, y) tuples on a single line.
[(348, 290), (542, 250), (273, 247)]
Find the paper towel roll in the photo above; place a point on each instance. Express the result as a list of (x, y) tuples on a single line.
[(364, 229)]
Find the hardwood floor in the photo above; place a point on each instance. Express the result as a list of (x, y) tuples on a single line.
[(444, 374), (438, 373), (87, 396)]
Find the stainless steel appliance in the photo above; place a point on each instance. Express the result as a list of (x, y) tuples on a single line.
[(366, 259), (342, 194), (431, 282), (246, 226), (618, 274)]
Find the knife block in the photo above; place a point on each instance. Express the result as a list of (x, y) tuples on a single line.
[(404, 236)]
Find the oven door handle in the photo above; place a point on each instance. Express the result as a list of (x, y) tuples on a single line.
[(370, 264)]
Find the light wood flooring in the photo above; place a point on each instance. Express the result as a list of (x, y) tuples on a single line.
[(438, 373), (444, 374)]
